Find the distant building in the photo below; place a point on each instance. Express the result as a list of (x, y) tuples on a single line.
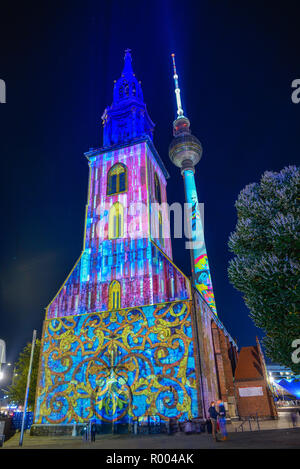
[(278, 372), (284, 383)]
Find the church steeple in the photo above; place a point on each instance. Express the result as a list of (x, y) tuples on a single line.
[(127, 118)]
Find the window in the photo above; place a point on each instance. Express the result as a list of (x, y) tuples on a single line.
[(157, 189), (114, 295), (117, 179), (116, 221), (160, 229)]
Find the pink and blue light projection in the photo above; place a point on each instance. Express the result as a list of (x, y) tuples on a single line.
[(201, 271), (137, 359), (146, 274)]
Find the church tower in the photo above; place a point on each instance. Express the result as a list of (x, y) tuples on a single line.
[(128, 337), (119, 339)]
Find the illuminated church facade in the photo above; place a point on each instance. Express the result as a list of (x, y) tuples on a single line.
[(129, 335)]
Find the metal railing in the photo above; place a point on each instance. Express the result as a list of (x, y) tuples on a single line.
[(251, 419)]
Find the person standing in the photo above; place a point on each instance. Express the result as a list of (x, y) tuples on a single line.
[(294, 418), (222, 419), (213, 416), (93, 431)]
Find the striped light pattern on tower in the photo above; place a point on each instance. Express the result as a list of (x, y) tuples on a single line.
[(185, 151)]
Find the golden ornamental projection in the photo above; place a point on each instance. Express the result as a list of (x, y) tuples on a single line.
[(118, 365)]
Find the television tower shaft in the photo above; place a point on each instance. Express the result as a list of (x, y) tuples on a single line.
[(185, 152)]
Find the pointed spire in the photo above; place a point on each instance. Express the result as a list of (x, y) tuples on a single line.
[(177, 89), (181, 126), (127, 117)]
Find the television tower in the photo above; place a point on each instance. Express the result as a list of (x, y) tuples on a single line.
[(185, 152)]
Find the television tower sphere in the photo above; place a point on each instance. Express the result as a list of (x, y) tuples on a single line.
[(185, 150)]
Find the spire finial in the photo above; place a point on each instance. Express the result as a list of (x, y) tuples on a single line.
[(177, 89), (127, 62)]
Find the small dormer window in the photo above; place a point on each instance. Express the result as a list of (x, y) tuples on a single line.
[(126, 89)]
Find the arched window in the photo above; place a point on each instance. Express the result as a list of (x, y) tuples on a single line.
[(114, 295), (116, 221), (157, 189), (124, 89), (117, 179)]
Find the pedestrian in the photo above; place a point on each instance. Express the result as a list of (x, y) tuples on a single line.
[(213, 416), (294, 418), (188, 427), (93, 431), (222, 419)]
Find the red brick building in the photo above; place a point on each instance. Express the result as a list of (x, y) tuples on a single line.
[(251, 384)]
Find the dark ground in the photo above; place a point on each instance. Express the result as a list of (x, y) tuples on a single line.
[(271, 439)]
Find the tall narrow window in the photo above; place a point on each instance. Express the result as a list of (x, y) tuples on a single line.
[(116, 221), (114, 295), (157, 189), (117, 179), (160, 229)]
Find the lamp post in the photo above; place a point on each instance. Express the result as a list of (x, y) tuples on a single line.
[(27, 387)]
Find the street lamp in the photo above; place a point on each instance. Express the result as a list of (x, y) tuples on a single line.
[(27, 387)]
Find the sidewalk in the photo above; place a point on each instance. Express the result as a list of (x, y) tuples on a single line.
[(274, 439), (272, 434), (284, 421)]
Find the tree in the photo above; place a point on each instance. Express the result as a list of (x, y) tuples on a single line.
[(17, 390), (266, 244)]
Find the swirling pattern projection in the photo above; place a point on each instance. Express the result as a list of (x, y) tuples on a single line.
[(117, 365)]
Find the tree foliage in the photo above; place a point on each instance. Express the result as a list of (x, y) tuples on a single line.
[(266, 244), (17, 390)]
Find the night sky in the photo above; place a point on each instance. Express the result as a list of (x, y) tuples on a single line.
[(236, 62)]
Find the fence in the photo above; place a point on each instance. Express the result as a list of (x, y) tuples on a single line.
[(251, 420)]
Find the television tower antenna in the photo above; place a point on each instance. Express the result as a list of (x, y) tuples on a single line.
[(177, 89)]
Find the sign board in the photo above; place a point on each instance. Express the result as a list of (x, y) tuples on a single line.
[(250, 392)]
